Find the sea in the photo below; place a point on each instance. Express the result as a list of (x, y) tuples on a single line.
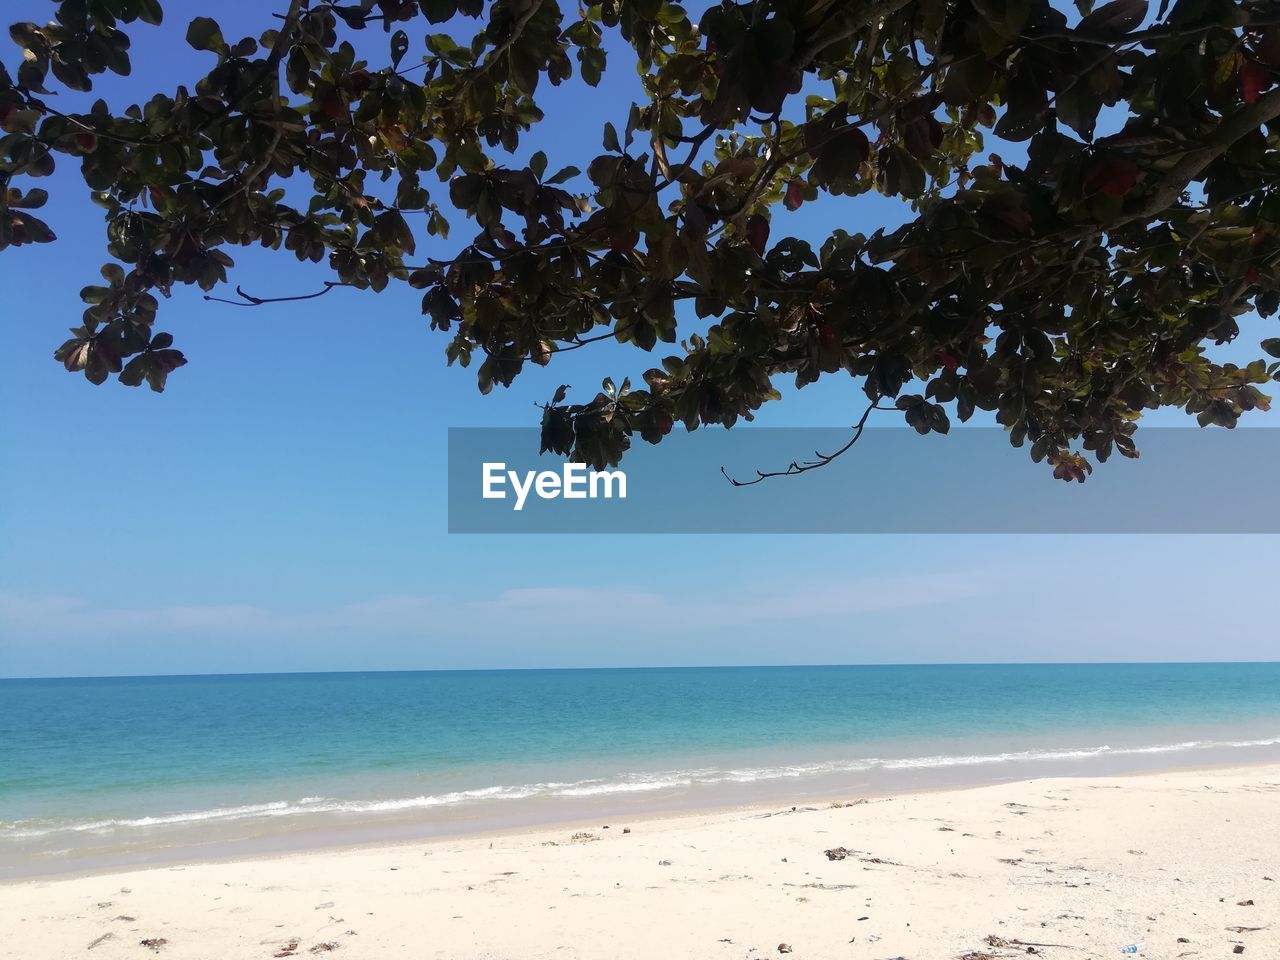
[(108, 772)]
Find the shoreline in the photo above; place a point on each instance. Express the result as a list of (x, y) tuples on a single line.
[(799, 801), (154, 840), (1091, 863)]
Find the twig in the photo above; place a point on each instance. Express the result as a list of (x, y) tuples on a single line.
[(822, 459), (249, 300)]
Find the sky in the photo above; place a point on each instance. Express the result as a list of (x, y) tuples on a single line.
[(282, 505)]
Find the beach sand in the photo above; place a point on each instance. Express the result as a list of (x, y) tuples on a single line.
[(1186, 862)]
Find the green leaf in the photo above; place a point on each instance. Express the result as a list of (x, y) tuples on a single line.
[(149, 11), (564, 174), (204, 33), (399, 47), (524, 69), (591, 64), (1114, 19), (471, 158), (1005, 17), (840, 156), (32, 200), (538, 164)]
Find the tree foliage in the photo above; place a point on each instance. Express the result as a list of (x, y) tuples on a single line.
[(1068, 286)]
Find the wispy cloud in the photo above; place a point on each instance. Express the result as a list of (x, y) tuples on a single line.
[(535, 608)]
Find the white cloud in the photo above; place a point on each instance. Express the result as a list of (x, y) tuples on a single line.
[(536, 609)]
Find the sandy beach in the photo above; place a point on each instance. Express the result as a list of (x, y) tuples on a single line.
[(1184, 863)]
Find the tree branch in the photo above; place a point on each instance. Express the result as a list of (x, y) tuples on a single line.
[(1194, 162), (284, 40), (822, 459), (251, 301)]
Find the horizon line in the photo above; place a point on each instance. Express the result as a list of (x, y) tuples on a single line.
[(708, 666)]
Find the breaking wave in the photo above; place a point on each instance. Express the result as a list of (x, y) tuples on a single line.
[(629, 783)]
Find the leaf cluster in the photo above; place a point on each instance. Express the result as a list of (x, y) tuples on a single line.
[(1067, 294)]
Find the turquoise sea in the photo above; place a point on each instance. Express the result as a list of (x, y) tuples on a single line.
[(102, 772)]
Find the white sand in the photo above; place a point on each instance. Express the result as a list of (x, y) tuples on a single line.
[(1068, 868)]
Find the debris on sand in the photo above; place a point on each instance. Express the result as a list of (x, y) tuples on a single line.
[(324, 947), (105, 936), (784, 948), (1238, 948), (583, 837), (993, 941), (843, 853), (1245, 903), (154, 943), (1245, 929), (289, 950)]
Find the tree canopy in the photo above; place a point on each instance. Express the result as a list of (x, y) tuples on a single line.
[(1093, 197)]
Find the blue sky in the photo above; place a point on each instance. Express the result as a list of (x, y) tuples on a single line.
[(282, 505)]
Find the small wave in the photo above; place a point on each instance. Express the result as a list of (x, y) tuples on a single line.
[(622, 784)]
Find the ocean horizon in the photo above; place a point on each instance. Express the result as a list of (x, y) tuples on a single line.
[(694, 666), (98, 772)]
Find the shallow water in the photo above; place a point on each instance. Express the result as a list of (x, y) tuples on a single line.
[(99, 772)]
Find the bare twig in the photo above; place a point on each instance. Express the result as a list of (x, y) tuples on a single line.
[(821, 459), (249, 300)]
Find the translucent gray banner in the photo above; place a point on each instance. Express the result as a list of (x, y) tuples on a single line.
[(892, 481)]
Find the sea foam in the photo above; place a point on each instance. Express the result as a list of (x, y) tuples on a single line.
[(626, 783)]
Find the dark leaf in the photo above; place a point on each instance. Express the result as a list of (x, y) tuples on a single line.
[(1114, 19)]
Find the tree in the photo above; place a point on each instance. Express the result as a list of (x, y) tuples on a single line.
[(1067, 289)]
